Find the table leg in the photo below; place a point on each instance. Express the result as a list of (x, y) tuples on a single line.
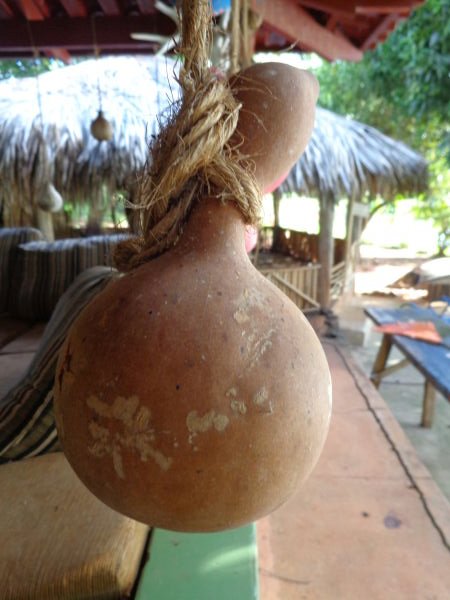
[(429, 398), (381, 360)]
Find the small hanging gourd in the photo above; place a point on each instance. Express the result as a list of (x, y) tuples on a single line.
[(50, 200), (101, 128), (192, 394)]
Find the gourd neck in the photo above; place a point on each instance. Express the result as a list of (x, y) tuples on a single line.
[(213, 226)]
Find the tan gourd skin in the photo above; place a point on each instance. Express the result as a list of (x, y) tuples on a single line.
[(192, 394)]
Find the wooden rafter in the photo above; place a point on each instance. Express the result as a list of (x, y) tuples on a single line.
[(75, 34), (302, 29), (110, 7), (386, 25), (362, 6), (75, 8), (35, 10), (6, 9), (146, 7), (59, 53)]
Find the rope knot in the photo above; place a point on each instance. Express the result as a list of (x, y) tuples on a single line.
[(192, 157)]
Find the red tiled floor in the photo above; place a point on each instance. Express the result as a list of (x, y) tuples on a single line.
[(370, 523)]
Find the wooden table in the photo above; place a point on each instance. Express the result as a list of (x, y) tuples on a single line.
[(432, 360)]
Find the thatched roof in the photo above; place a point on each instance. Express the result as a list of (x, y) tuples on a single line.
[(345, 157), (342, 156), (134, 94)]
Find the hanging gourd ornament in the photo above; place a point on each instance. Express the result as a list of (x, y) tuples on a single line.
[(192, 394), (50, 199), (101, 128)]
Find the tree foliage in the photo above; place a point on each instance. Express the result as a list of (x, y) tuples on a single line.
[(26, 67), (403, 88)]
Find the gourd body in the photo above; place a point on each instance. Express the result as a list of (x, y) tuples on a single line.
[(191, 394)]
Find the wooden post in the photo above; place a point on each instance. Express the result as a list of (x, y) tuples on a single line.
[(326, 248), (276, 207), (349, 243), (429, 401), (276, 195)]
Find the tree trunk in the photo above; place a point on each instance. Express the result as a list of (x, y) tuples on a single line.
[(326, 249)]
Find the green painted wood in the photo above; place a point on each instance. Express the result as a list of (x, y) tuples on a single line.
[(201, 566)]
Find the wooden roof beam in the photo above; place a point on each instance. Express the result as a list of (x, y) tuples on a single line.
[(34, 10), (6, 10), (147, 7), (400, 8), (110, 7), (38, 10), (362, 6), (59, 53), (386, 25), (75, 34), (75, 8), (301, 28)]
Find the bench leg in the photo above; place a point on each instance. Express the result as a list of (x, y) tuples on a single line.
[(429, 399), (381, 360)]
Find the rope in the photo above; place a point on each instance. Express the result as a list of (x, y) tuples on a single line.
[(192, 157), (235, 36), (96, 54)]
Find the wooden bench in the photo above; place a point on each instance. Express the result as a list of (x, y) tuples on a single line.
[(432, 360)]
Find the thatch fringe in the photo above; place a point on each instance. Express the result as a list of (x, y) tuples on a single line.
[(344, 157), (135, 94)]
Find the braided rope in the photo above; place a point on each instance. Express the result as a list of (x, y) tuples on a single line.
[(192, 156)]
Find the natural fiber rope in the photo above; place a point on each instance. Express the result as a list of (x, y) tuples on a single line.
[(192, 156)]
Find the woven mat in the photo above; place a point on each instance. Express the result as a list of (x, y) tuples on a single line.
[(58, 541)]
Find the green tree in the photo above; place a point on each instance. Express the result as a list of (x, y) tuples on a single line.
[(27, 67), (403, 88)]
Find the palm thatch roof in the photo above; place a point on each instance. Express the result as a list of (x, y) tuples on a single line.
[(343, 157), (59, 147)]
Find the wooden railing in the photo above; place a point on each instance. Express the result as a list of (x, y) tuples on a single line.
[(300, 284), (337, 280)]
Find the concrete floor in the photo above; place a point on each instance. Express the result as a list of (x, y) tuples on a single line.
[(403, 390)]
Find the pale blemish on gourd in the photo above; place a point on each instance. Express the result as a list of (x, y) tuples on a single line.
[(257, 342), (247, 301), (257, 345), (237, 406), (200, 424), (262, 401), (136, 434), (261, 396)]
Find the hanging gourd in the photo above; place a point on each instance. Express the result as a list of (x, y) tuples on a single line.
[(50, 200), (192, 394), (101, 128)]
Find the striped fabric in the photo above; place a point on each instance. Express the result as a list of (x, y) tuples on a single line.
[(27, 425), (44, 270), (10, 239)]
